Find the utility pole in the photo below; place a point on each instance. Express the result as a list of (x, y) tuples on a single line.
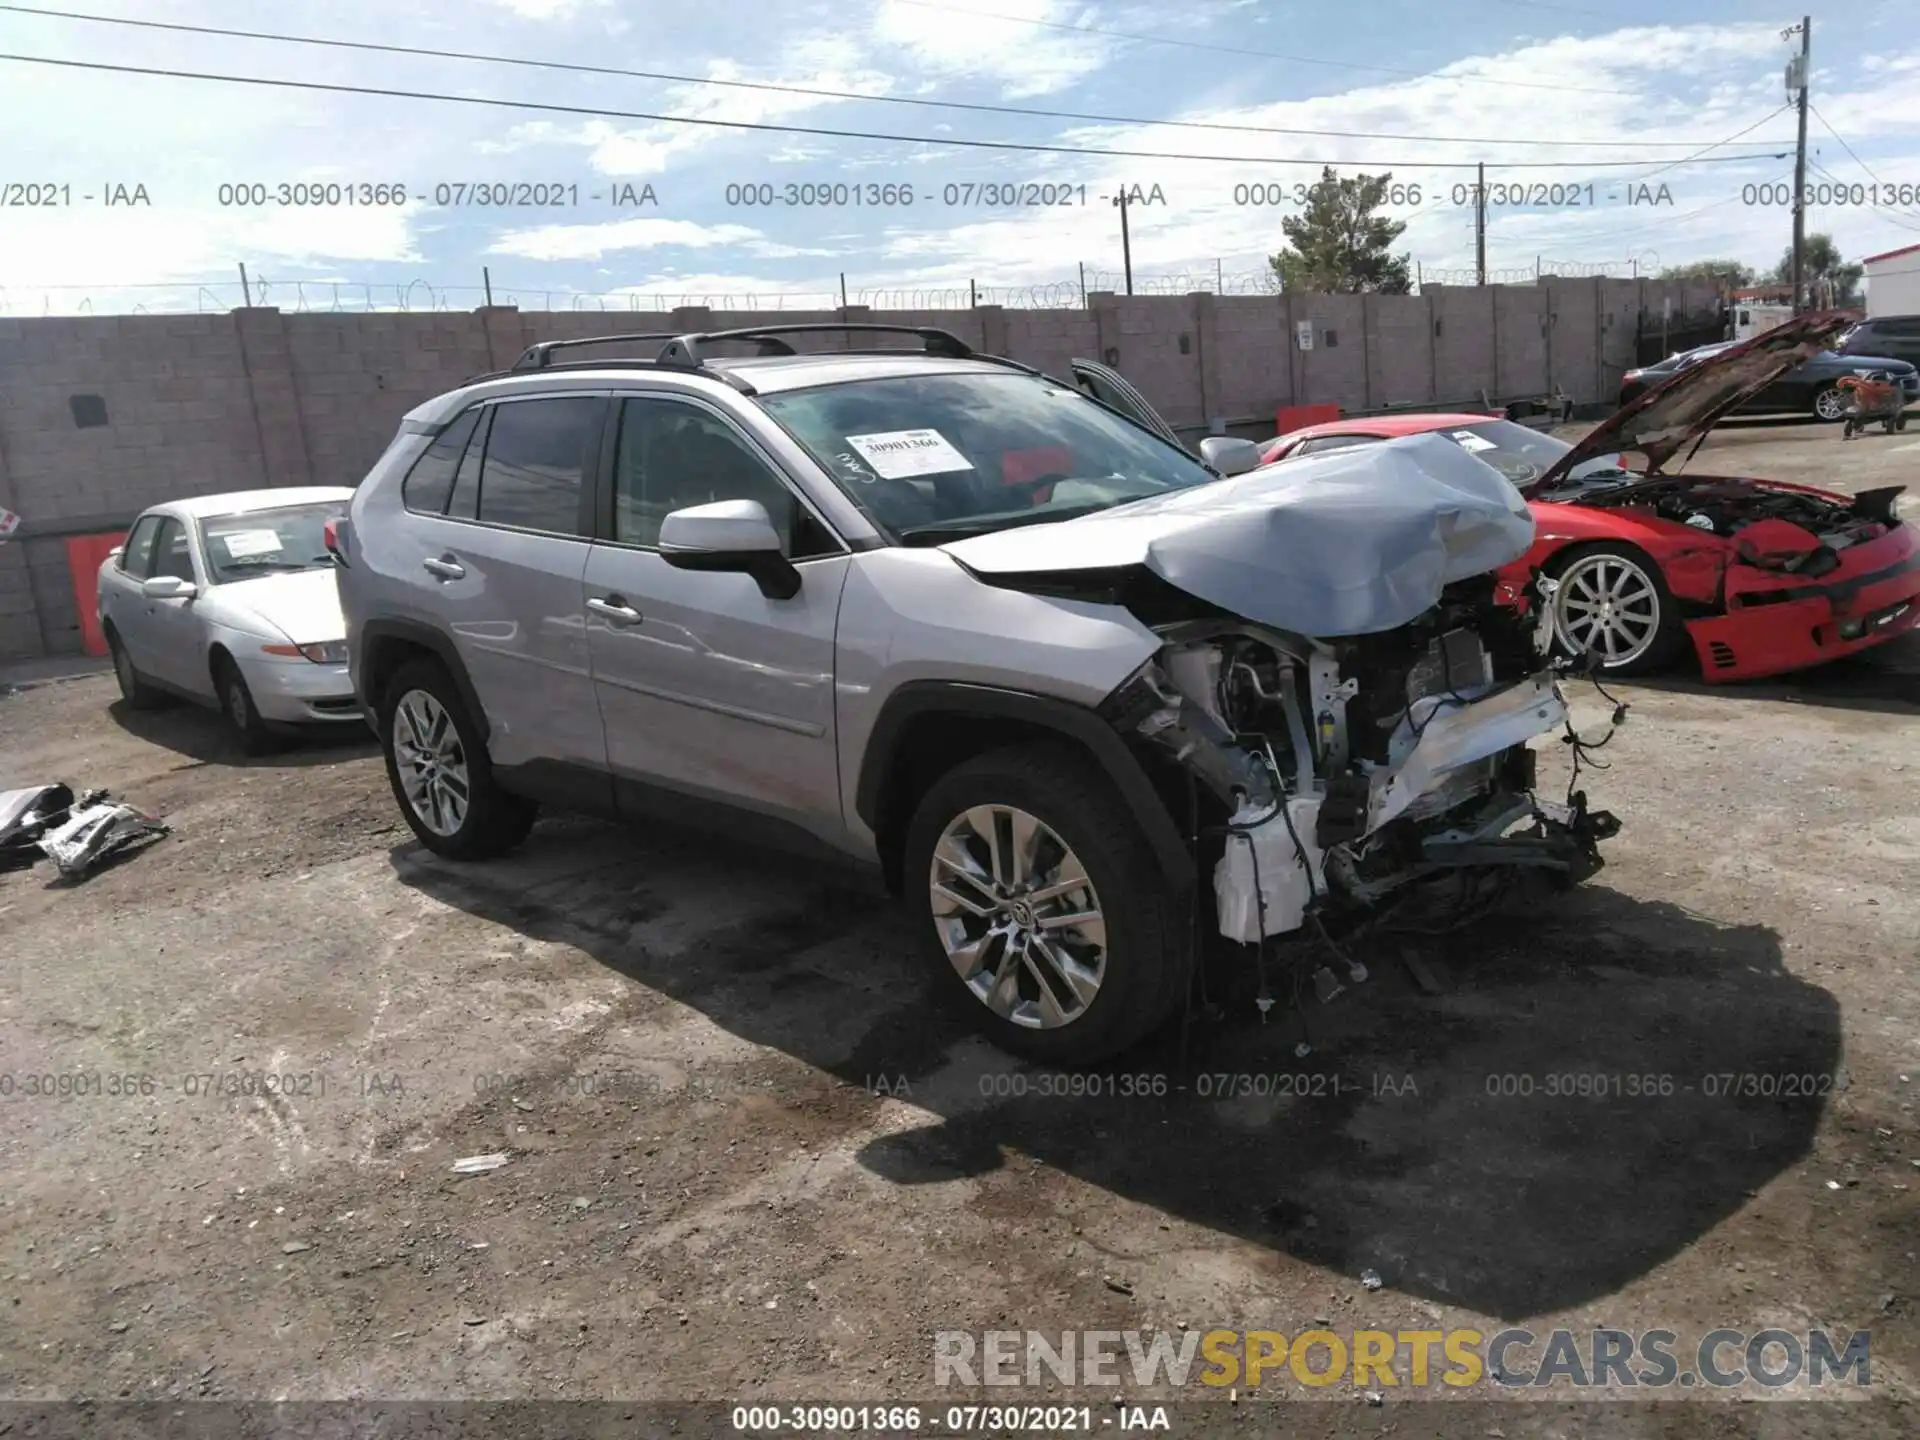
[(1798, 76), (1480, 227), (1126, 241)]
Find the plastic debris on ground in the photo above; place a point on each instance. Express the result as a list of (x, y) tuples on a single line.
[(26, 815), (94, 828), (478, 1164)]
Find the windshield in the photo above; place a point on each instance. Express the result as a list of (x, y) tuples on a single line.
[(1522, 454), (262, 542), (933, 457)]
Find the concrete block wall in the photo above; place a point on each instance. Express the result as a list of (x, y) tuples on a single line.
[(198, 404)]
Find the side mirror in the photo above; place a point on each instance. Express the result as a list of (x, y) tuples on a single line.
[(1230, 456), (168, 587), (732, 535), (116, 552)]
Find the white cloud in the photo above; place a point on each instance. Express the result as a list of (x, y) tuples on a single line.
[(593, 242), (550, 9), (969, 43)]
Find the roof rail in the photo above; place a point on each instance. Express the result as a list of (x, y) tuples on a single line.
[(685, 349), (540, 356)]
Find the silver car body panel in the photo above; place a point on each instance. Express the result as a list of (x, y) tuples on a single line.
[(909, 615), (717, 690), (1347, 543), (515, 611)]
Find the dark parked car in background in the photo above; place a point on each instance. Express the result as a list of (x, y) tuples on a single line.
[(1810, 388), (1895, 336)]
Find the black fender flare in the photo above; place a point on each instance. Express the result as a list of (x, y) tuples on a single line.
[(415, 634), (1074, 722)]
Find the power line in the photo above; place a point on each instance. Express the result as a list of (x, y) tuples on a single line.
[(773, 87), (1895, 218), (1244, 51), (1688, 159), (1901, 209), (770, 127)]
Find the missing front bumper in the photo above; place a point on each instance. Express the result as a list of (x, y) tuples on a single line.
[(1276, 867)]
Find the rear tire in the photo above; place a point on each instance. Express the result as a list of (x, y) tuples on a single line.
[(1035, 982), (242, 717), (441, 774), (138, 694), (1643, 626)]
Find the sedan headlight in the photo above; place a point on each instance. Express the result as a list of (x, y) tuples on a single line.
[(327, 652)]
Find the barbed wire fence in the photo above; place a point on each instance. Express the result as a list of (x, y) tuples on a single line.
[(343, 297)]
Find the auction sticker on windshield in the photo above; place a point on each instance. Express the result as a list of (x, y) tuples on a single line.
[(1467, 440), (243, 544), (902, 454)]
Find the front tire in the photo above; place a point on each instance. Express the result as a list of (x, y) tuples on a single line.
[(1613, 601), (439, 769), (1829, 404), (138, 694), (242, 716), (1045, 905)]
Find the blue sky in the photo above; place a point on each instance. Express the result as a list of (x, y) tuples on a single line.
[(1648, 84)]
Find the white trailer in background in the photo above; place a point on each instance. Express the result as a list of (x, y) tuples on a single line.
[(1893, 282), (1750, 318)]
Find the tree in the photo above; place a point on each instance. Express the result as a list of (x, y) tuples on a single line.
[(1821, 262), (1338, 246), (1731, 273)]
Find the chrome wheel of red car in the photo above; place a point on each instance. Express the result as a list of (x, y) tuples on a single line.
[(1608, 603)]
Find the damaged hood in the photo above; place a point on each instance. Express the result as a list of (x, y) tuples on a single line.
[(1347, 543), (1691, 401)]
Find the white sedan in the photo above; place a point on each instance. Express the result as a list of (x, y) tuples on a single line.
[(230, 601)]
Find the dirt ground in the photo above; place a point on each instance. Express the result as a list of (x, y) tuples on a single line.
[(754, 1158)]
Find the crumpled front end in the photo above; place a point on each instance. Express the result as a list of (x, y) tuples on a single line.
[(1336, 773), (1800, 577)]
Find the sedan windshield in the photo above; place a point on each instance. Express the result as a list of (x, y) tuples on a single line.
[(253, 543), (933, 457), (1523, 454)]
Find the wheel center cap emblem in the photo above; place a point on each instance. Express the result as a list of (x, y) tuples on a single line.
[(1021, 914)]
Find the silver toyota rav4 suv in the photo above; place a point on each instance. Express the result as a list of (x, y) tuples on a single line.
[(1077, 694)]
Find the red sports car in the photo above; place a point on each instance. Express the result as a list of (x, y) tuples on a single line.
[(1761, 575)]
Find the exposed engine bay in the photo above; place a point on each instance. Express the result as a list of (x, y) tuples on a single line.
[(1334, 773), (1728, 507)]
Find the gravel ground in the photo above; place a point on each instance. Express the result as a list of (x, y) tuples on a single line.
[(752, 1157)]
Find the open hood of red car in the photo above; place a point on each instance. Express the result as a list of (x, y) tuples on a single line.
[(1691, 401)]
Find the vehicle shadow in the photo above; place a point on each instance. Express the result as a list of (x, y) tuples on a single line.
[(1562, 1116), (202, 735), (1885, 678)]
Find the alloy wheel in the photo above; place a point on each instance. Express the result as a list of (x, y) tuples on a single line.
[(1829, 404), (1609, 605), (431, 761), (1018, 917)]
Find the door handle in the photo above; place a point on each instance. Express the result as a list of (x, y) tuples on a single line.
[(616, 609), (444, 569)]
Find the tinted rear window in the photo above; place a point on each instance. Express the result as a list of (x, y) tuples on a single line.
[(430, 482), (536, 458)]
